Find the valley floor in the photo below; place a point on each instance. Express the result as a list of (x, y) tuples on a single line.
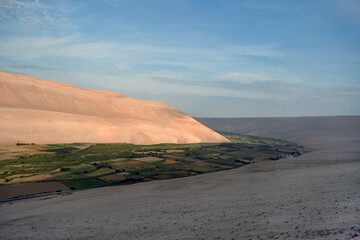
[(314, 196)]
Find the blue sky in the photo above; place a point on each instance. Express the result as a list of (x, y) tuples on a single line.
[(207, 58)]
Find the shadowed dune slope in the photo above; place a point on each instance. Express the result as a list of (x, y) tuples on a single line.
[(40, 111)]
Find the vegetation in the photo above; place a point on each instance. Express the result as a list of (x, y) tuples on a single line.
[(82, 166)]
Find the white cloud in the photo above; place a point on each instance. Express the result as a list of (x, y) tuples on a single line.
[(244, 77), (122, 66)]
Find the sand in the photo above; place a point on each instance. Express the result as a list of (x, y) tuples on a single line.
[(314, 196), (38, 111)]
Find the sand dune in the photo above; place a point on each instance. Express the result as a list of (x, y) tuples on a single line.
[(41, 111)]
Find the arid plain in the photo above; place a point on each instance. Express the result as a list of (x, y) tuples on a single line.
[(314, 196)]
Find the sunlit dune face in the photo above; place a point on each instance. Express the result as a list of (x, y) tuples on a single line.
[(40, 111)]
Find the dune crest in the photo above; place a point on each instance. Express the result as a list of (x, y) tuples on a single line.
[(41, 111)]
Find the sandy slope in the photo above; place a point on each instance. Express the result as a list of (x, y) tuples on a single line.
[(314, 196), (40, 111)]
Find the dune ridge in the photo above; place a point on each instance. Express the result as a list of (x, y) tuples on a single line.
[(41, 111)]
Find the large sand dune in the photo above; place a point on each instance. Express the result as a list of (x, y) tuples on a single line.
[(40, 111)]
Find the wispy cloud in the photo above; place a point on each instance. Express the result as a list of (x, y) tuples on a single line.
[(75, 46), (243, 77), (266, 89), (34, 67), (122, 66), (112, 3), (35, 47), (31, 12), (131, 58), (271, 51), (349, 5), (232, 83)]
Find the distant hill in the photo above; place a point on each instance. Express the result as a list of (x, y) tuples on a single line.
[(39, 111), (310, 131)]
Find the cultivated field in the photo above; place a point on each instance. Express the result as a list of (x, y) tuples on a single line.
[(81, 166)]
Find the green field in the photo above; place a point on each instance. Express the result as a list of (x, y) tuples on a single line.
[(97, 165)]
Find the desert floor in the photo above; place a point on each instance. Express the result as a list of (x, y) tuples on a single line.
[(314, 196)]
